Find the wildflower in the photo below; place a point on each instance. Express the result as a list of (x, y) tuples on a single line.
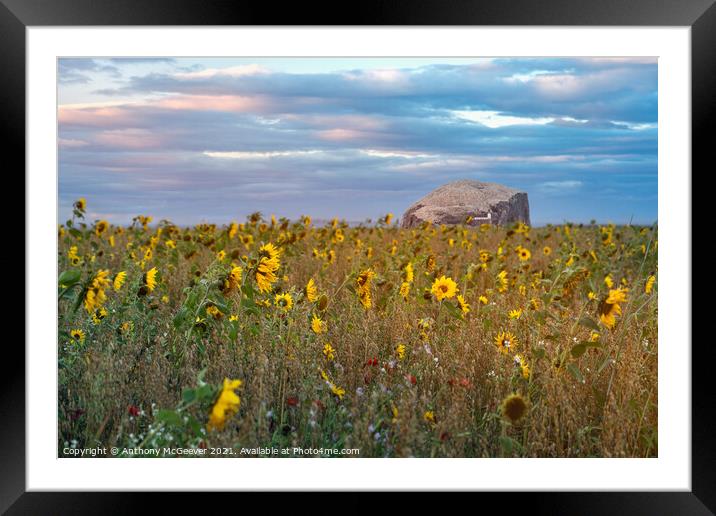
[(95, 296), (232, 280), (592, 296), (463, 305), (408, 273), (429, 416), (133, 410), (505, 342), (329, 352), (77, 335), (483, 300), (546, 250), (444, 287), (649, 284), (119, 280), (233, 318), (269, 263), (311, 291), (101, 227), (400, 351), (317, 325), (363, 283), (221, 255), (430, 263), (522, 366), (610, 308), (502, 281), (213, 311), (514, 408), (608, 281), (81, 204), (515, 314), (524, 254), (150, 279), (404, 290), (338, 391), (165, 299), (99, 314), (534, 303), (226, 405), (283, 301), (388, 218)]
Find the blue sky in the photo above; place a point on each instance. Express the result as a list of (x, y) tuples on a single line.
[(214, 139)]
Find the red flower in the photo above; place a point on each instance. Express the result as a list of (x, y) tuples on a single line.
[(292, 401), (75, 414), (319, 404), (133, 410), (372, 362), (445, 436), (465, 382), (411, 379)]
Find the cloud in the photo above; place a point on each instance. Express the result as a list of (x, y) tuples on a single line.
[(192, 142)]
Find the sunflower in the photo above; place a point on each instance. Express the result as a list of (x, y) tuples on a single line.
[(515, 314), (502, 281), (101, 227), (483, 300), (443, 288), (283, 301), (232, 280), (429, 416), (226, 405), (546, 250), (363, 284), (119, 280), (95, 296), (514, 408), (522, 365), (329, 352), (311, 291), (462, 304), (408, 273), (400, 351), (649, 284), (99, 314), (81, 204), (213, 311), (505, 342), (609, 308), (404, 290), (318, 325), (77, 335), (269, 263), (150, 279)]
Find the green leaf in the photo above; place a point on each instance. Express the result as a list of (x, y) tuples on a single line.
[(169, 417), (507, 444), (75, 233), (588, 322), (574, 370), (578, 350), (68, 278), (188, 395)]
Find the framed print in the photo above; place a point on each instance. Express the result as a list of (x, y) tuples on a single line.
[(439, 240)]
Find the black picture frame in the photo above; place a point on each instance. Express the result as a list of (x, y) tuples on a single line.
[(700, 15)]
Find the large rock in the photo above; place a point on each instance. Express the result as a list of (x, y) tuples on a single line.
[(454, 202)]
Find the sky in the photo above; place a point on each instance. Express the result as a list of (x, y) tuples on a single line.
[(214, 139)]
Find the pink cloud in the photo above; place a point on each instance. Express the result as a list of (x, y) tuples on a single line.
[(130, 139), (233, 103)]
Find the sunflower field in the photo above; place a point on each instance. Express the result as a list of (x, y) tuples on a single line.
[(452, 341)]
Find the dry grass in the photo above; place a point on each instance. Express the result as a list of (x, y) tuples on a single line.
[(602, 402)]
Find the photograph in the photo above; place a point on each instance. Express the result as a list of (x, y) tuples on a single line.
[(357, 257)]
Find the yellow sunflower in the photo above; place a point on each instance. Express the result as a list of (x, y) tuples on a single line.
[(283, 301), (226, 405), (505, 342), (444, 288)]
